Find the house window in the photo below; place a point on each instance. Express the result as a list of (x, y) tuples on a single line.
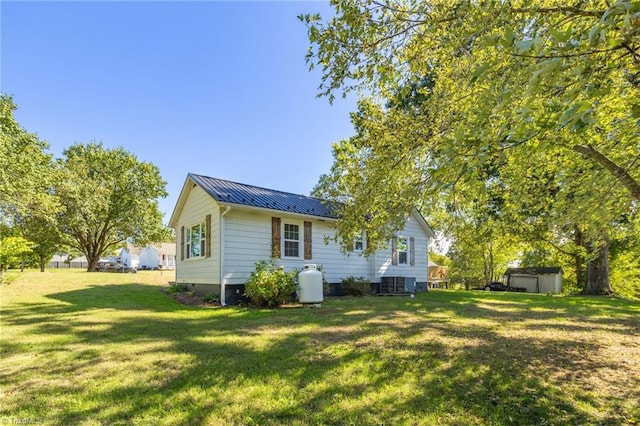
[(403, 251), (291, 240), (358, 243), (195, 241)]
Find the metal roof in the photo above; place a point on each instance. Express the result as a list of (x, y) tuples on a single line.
[(534, 271), (225, 191)]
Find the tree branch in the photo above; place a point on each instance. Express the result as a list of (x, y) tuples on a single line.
[(569, 55), (620, 173), (562, 9)]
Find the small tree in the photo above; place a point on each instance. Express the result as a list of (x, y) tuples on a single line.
[(12, 249)]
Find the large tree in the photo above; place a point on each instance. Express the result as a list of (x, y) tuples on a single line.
[(25, 166), (488, 83), (27, 202), (109, 197)]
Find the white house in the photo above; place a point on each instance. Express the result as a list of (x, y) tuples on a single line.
[(130, 256), (223, 228), (536, 280), (158, 256), (152, 256)]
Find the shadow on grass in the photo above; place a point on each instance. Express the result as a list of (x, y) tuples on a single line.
[(440, 358)]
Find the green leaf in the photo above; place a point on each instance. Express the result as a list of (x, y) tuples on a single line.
[(594, 35), (478, 72), (523, 46)]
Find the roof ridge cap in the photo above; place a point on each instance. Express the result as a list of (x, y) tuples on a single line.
[(260, 187)]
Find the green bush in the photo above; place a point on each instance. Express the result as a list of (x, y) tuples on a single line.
[(269, 285), (211, 298), (325, 284), (353, 286), (177, 288)]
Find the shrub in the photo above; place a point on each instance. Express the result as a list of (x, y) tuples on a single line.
[(177, 288), (325, 284), (269, 285), (211, 298), (359, 286)]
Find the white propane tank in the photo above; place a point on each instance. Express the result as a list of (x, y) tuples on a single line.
[(310, 284)]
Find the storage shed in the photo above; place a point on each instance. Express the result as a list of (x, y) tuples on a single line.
[(536, 280)]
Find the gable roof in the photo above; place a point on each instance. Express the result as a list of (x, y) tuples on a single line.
[(163, 248), (534, 271), (228, 192)]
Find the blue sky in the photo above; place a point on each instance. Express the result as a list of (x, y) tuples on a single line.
[(215, 88)]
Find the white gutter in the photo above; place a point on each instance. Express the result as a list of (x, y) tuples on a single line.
[(222, 279)]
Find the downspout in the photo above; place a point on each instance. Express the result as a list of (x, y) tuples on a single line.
[(222, 236)]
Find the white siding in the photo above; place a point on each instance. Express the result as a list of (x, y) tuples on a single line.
[(129, 259), (545, 283), (248, 240), (529, 282), (383, 266), (201, 270), (149, 257), (335, 264)]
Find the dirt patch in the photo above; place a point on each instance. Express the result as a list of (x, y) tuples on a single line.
[(189, 298)]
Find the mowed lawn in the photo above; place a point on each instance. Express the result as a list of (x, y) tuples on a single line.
[(95, 348)]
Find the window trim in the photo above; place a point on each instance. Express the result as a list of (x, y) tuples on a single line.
[(408, 249), (360, 238), (300, 239), (188, 237)]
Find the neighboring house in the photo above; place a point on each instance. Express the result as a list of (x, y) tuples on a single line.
[(152, 256), (536, 280), (129, 256), (438, 275), (223, 228), (158, 256)]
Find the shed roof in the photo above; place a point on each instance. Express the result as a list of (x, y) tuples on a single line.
[(534, 270), (225, 191)]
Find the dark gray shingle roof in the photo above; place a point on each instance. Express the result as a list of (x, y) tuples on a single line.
[(225, 191), (534, 271)]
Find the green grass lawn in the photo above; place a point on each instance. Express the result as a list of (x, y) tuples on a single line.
[(91, 348)]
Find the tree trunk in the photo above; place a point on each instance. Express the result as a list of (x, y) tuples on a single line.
[(581, 276), (92, 263), (41, 263), (597, 282)]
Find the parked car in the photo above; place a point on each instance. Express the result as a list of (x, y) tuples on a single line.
[(498, 286), (495, 286), (115, 267)]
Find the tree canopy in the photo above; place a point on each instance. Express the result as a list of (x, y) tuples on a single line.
[(519, 113), (25, 167), (109, 197)]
